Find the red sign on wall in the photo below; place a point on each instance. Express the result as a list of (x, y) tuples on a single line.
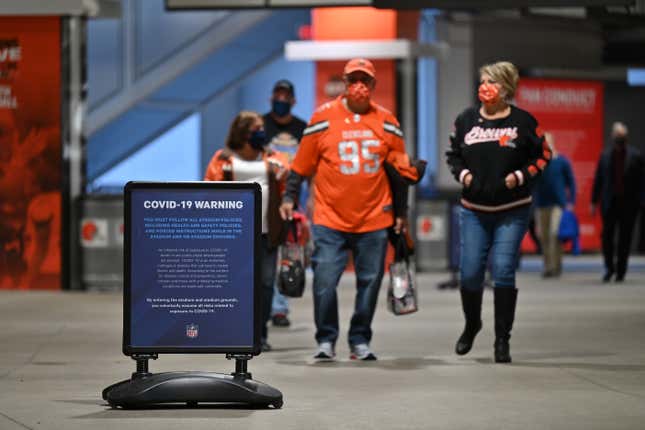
[(572, 111), (30, 153)]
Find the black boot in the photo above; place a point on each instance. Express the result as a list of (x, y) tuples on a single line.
[(505, 301), (471, 302)]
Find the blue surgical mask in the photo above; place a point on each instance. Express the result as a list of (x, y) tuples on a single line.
[(281, 108), (258, 139)]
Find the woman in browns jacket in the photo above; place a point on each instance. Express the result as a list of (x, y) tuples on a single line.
[(246, 157), (496, 153)]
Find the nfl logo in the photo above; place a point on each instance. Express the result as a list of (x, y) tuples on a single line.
[(192, 331)]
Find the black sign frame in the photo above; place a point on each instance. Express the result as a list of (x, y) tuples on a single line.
[(128, 348)]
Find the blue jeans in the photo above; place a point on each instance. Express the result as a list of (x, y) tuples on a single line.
[(498, 234), (328, 262), (280, 303)]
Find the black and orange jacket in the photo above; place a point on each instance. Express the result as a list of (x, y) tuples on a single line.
[(490, 150)]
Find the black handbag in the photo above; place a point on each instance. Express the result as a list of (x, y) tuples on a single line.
[(401, 291), (291, 271)]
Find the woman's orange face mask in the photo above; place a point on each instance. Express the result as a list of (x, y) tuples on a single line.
[(489, 93)]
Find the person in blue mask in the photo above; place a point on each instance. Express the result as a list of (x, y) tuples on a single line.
[(248, 157), (283, 131)]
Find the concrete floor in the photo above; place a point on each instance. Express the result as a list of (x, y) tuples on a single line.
[(578, 350)]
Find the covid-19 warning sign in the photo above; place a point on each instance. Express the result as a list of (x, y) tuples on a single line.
[(191, 267)]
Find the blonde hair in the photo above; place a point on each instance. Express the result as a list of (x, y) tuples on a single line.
[(505, 73)]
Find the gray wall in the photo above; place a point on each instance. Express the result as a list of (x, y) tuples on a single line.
[(530, 42), (626, 104), (533, 42), (455, 87)]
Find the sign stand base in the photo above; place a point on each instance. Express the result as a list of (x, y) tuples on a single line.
[(146, 389)]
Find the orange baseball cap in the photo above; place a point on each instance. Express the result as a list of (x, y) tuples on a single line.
[(360, 65)]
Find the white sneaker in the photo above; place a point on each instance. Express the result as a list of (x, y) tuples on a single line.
[(325, 352), (361, 351)]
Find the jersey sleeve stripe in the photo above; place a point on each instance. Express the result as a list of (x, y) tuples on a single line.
[(315, 128), (391, 128)]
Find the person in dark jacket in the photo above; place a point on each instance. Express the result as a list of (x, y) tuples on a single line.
[(554, 192), (618, 189), (284, 131), (496, 153)]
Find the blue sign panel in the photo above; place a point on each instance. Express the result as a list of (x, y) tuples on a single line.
[(191, 267)]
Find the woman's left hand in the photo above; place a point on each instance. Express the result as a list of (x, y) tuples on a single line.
[(510, 181)]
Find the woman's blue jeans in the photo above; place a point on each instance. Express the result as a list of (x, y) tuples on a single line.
[(497, 235), (329, 261)]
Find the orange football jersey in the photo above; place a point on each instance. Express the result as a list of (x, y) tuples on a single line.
[(346, 152)]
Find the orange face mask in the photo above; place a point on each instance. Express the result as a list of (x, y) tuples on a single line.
[(358, 92), (488, 94)]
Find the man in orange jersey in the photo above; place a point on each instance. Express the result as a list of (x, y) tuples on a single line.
[(346, 144)]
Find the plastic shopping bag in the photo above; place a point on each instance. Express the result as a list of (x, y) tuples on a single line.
[(402, 292)]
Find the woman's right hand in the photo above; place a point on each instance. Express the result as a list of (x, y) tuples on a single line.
[(286, 210), (468, 180)]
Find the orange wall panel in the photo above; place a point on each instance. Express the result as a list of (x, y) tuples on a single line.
[(356, 23), (30, 153), (336, 23)]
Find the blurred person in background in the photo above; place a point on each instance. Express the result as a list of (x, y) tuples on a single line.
[(496, 153), (246, 157), (284, 131), (554, 192), (533, 234), (346, 144), (618, 188)]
